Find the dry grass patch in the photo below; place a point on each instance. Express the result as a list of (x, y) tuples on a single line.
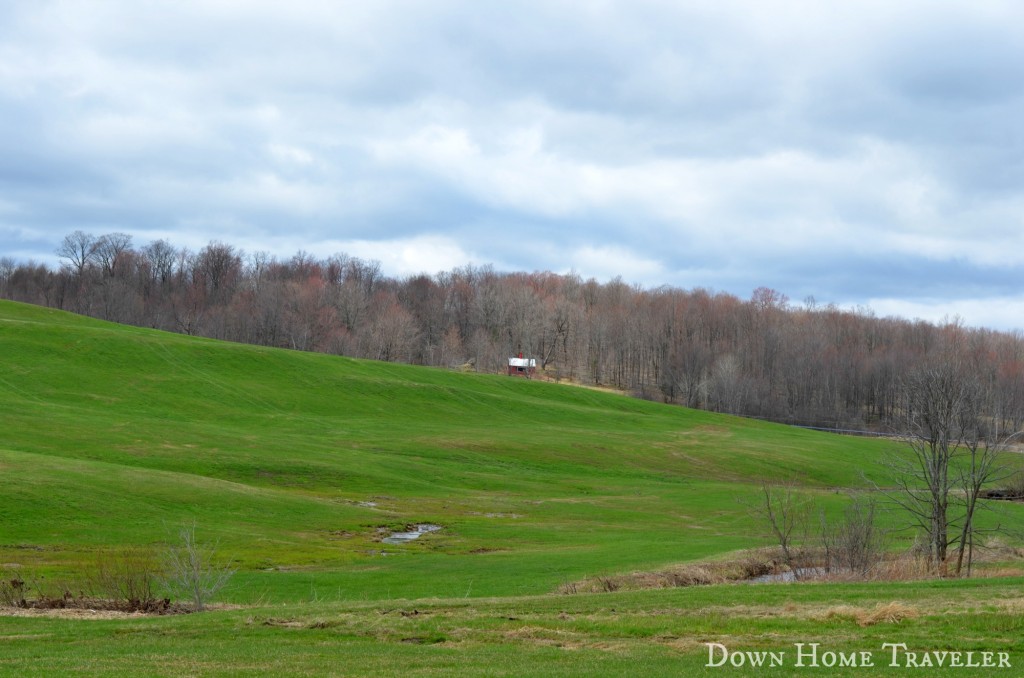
[(70, 613), (1011, 605), (540, 635), (997, 550), (748, 566), (999, 572), (685, 645), (889, 613)]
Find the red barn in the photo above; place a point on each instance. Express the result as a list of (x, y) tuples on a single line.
[(522, 367)]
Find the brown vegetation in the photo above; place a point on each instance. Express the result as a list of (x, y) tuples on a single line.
[(890, 613), (118, 583), (767, 565), (748, 566)]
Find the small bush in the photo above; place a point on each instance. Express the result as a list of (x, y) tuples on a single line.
[(1015, 486), (122, 582), (12, 589), (128, 578), (693, 576), (854, 545), (757, 565), (191, 570), (569, 588)]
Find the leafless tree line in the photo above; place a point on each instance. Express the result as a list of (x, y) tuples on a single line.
[(798, 363)]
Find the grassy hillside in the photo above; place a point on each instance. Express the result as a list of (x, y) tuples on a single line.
[(292, 461), (296, 463)]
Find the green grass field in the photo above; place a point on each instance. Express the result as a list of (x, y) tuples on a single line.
[(295, 464)]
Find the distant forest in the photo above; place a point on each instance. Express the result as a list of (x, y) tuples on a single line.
[(765, 357)]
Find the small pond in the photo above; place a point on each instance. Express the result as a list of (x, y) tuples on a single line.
[(415, 533)]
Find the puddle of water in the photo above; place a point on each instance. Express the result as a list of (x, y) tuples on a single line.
[(783, 577), (417, 532)]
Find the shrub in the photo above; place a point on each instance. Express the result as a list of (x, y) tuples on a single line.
[(191, 571), (855, 544), (12, 589), (128, 579)]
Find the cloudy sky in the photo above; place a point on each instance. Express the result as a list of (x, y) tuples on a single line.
[(864, 153)]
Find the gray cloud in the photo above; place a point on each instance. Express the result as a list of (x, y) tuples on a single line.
[(857, 152)]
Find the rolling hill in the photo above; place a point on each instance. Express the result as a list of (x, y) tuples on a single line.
[(297, 464)]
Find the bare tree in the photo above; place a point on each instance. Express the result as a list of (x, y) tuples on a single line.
[(7, 268), (109, 249), (309, 316), (391, 334), (161, 256), (727, 385), (955, 450), (191, 569), (786, 516), (936, 399), (451, 351), (217, 268), (983, 463), (79, 249)]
